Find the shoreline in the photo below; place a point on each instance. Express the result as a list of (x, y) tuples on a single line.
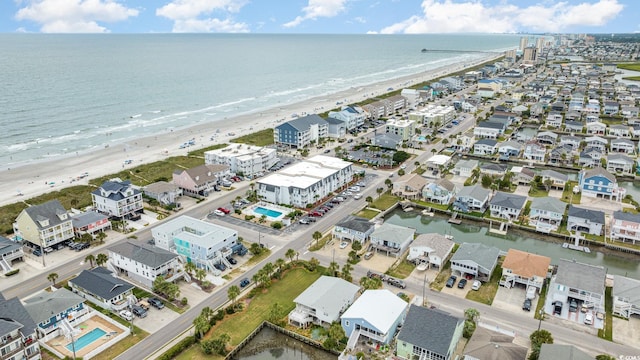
[(28, 180)]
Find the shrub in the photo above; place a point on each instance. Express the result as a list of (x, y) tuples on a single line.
[(184, 301), (176, 349), (276, 225), (249, 217), (219, 315), (12, 272)]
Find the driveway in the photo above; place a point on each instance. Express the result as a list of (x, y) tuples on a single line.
[(512, 300), (627, 331)]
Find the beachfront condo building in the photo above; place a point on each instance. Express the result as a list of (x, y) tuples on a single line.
[(43, 225), (197, 241), (242, 159), (301, 132), (401, 127), (353, 116), (118, 199), (305, 182)]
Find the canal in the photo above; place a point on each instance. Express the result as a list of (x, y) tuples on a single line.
[(269, 344), (478, 232)]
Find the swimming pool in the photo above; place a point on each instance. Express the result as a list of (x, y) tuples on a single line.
[(268, 212), (422, 138), (87, 339)]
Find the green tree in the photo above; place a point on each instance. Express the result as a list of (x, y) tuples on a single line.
[(368, 283), (538, 338), (201, 326), (317, 235), (256, 249), (101, 236), (356, 245), (291, 253), (201, 274), (389, 183), (486, 181), (280, 263), (268, 269), (52, 277), (333, 268), (369, 200), (233, 292), (90, 259), (101, 259), (86, 238), (605, 357), (380, 190), (276, 313), (313, 264), (346, 272), (190, 267)]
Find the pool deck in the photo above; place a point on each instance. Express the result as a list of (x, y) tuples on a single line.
[(60, 343), (283, 211)]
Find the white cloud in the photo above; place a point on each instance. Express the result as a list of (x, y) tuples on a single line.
[(316, 9), (445, 16), (74, 16), (194, 15)]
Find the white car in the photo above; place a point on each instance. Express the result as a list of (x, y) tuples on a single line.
[(357, 196), (218, 212), (344, 244), (476, 285), (588, 318), (403, 166), (126, 314)]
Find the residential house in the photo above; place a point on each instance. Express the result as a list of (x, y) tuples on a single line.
[(573, 126), (18, 331), (440, 191), (561, 155), (464, 142), (10, 251), (556, 179), (392, 239), (52, 311), (522, 175), (489, 129), (547, 137), (475, 259), (243, 159), (90, 222), (596, 128), (472, 198), (401, 127), (143, 263), (534, 151), (431, 249), (43, 225), (507, 206), (596, 142), (619, 130), (581, 282), (624, 146), (198, 241), (420, 338), (630, 111), (364, 318), (546, 213), (625, 227), (354, 229), (409, 186), (611, 108), (585, 220), (521, 267), (437, 163), (301, 132), (492, 169), (163, 192), (510, 149), (621, 164), (323, 302), (590, 157), (353, 116), (200, 180), (626, 296), (565, 352), (465, 168), (101, 287), (598, 182), (554, 119), (485, 147), (118, 199), (486, 344), (387, 141), (571, 140), (337, 128)]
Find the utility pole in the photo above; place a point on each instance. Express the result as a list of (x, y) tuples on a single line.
[(424, 287)]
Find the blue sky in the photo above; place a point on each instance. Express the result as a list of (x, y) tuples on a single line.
[(319, 16)]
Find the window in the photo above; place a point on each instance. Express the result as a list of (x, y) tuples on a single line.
[(346, 323)]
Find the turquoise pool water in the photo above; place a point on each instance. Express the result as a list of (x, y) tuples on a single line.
[(422, 138), (264, 211), (87, 339)]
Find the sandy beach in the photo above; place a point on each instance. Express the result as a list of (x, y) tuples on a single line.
[(21, 183)]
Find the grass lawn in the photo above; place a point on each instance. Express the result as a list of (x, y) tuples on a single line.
[(402, 270), (321, 243), (442, 207), (488, 290), (260, 138), (257, 258), (536, 192), (607, 332), (569, 196), (632, 78), (440, 280), (632, 66), (239, 325), (367, 213), (385, 201), (200, 153), (541, 300)]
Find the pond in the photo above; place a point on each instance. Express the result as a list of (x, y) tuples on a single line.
[(270, 344)]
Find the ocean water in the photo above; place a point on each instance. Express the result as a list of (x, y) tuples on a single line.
[(63, 94)]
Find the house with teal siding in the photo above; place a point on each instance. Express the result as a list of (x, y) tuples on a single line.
[(429, 334)]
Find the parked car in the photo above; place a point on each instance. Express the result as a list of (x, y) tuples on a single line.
[(451, 281), (144, 304), (527, 305), (557, 308), (156, 303), (126, 314), (231, 260), (218, 212), (573, 305), (344, 244), (37, 252), (244, 282), (462, 283), (220, 266), (588, 318), (368, 255), (224, 210), (476, 285), (82, 246), (396, 282), (139, 311), (357, 196), (315, 214)]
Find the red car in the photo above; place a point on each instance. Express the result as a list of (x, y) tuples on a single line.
[(236, 179), (226, 211), (315, 214)]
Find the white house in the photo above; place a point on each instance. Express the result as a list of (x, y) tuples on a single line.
[(392, 239), (472, 198), (117, 198), (507, 206), (489, 129), (546, 213), (432, 249), (465, 167), (485, 147), (625, 227), (144, 263), (353, 229), (580, 282), (440, 191), (323, 302), (475, 259), (585, 220), (243, 159), (626, 296)]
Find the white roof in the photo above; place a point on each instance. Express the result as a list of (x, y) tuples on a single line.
[(439, 159), (328, 296), (380, 308), (306, 173), (197, 232)]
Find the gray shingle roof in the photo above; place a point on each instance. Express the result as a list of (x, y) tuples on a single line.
[(625, 216), (621, 158), (627, 288), (483, 255), (555, 175), (439, 243), (595, 216), (393, 233), (549, 204), (581, 276), (490, 345), (13, 309), (488, 142), (49, 210), (146, 254), (45, 304), (8, 246), (356, 223), (564, 352), (490, 125), (475, 192), (429, 329), (86, 218), (115, 189), (506, 200), (303, 123), (101, 283), (328, 295)]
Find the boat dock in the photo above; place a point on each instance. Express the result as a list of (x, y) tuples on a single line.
[(576, 247), (502, 230), (454, 219)]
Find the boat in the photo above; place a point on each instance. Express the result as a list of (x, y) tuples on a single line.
[(407, 209), (448, 236), (422, 266), (424, 50), (426, 212)]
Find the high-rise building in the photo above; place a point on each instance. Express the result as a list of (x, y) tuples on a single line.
[(524, 42), (540, 44), (529, 55)]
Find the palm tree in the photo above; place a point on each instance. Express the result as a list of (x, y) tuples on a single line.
[(268, 269), (317, 235), (369, 200), (233, 294), (52, 277), (346, 271), (201, 274), (379, 190), (101, 236), (333, 268), (101, 259), (290, 254), (90, 258), (280, 264), (190, 267), (314, 263)]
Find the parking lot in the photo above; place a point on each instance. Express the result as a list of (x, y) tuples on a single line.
[(512, 299)]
